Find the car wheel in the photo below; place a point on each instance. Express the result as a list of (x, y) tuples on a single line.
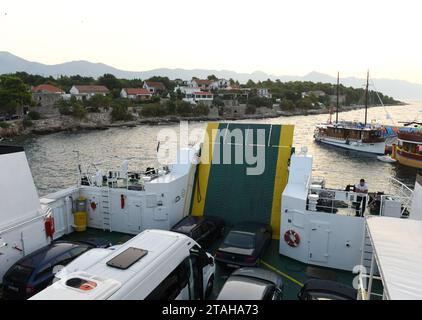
[(210, 286)]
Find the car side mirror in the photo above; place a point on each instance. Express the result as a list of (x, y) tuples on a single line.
[(211, 261)]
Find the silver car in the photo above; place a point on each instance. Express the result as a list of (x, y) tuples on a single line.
[(252, 284)]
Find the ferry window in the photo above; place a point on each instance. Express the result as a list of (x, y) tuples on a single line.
[(172, 285)]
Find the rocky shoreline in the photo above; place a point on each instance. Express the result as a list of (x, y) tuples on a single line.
[(102, 121)]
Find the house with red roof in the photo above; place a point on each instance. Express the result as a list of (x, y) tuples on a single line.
[(135, 94), (46, 95), (154, 87), (87, 91), (201, 84)]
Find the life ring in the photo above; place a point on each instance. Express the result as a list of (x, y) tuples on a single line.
[(292, 238)]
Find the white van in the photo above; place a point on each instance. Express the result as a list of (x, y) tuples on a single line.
[(154, 265)]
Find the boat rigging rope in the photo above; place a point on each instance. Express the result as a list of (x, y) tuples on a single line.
[(385, 109)]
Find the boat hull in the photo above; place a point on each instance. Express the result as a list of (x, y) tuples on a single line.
[(406, 160), (374, 148)]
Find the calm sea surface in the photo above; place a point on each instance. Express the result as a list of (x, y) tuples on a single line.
[(54, 162)]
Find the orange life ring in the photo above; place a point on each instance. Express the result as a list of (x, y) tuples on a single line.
[(292, 238)]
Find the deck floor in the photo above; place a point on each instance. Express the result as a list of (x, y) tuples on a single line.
[(293, 272)]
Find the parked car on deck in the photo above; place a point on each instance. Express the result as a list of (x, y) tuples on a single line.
[(252, 284), (317, 289), (35, 271), (244, 244), (204, 229)]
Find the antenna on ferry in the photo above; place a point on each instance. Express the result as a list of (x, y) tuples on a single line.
[(366, 97), (338, 84)]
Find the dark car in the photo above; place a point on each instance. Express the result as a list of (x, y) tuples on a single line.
[(244, 244), (203, 230), (252, 284), (34, 272), (317, 289)]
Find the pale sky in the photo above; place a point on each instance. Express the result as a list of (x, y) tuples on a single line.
[(278, 37)]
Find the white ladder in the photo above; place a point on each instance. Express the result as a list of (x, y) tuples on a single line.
[(106, 208)]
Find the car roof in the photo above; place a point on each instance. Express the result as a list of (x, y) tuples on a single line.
[(328, 286), (260, 274), (187, 224), (243, 288), (46, 254), (249, 226)]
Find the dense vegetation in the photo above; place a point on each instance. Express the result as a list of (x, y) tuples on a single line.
[(14, 92), (290, 93)]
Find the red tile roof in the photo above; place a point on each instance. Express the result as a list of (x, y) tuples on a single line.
[(135, 91), (203, 81), (158, 85), (47, 88), (91, 89)]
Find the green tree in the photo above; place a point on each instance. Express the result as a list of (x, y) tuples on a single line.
[(13, 93), (287, 104), (110, 81), (98, 101), (212, 77)]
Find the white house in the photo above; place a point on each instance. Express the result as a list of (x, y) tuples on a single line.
[(87, 91), (316, 93), (186, 90), (202, 84), (199, 96), (263, 92), (154, 87), (220, 84), (135, 94)]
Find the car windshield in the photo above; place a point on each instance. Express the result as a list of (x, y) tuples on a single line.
[(240, 240), (19, 273)]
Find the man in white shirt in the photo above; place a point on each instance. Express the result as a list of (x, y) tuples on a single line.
[(361, 187)]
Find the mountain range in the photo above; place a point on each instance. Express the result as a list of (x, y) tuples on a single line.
[(9, 63)]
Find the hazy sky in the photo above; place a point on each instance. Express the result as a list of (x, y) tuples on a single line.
[(279, 37)]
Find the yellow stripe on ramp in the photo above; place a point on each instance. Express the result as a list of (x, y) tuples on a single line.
[(281, 176), (204, 169), (285, 275)]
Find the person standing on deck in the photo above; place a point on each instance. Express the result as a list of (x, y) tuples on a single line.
[(361, 187)]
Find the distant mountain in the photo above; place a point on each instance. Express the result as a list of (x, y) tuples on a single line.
[(10, 63)]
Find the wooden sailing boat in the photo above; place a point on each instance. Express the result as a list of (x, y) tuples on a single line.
[(361, 137)]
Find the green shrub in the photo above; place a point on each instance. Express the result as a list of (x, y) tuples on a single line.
[(4, 124), (120, 112), (184, 108), (201, 109), (34, 115), (154, 110), (26, 122), (78, 110)]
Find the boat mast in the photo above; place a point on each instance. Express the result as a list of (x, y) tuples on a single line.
[(338, 84), (366, 97)]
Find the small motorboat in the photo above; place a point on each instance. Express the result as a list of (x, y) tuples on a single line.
[(386, 158)]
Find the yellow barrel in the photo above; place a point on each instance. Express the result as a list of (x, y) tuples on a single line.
[(80, 219), (81, 215)]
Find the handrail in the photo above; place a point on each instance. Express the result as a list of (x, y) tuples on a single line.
[(48, 212)]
